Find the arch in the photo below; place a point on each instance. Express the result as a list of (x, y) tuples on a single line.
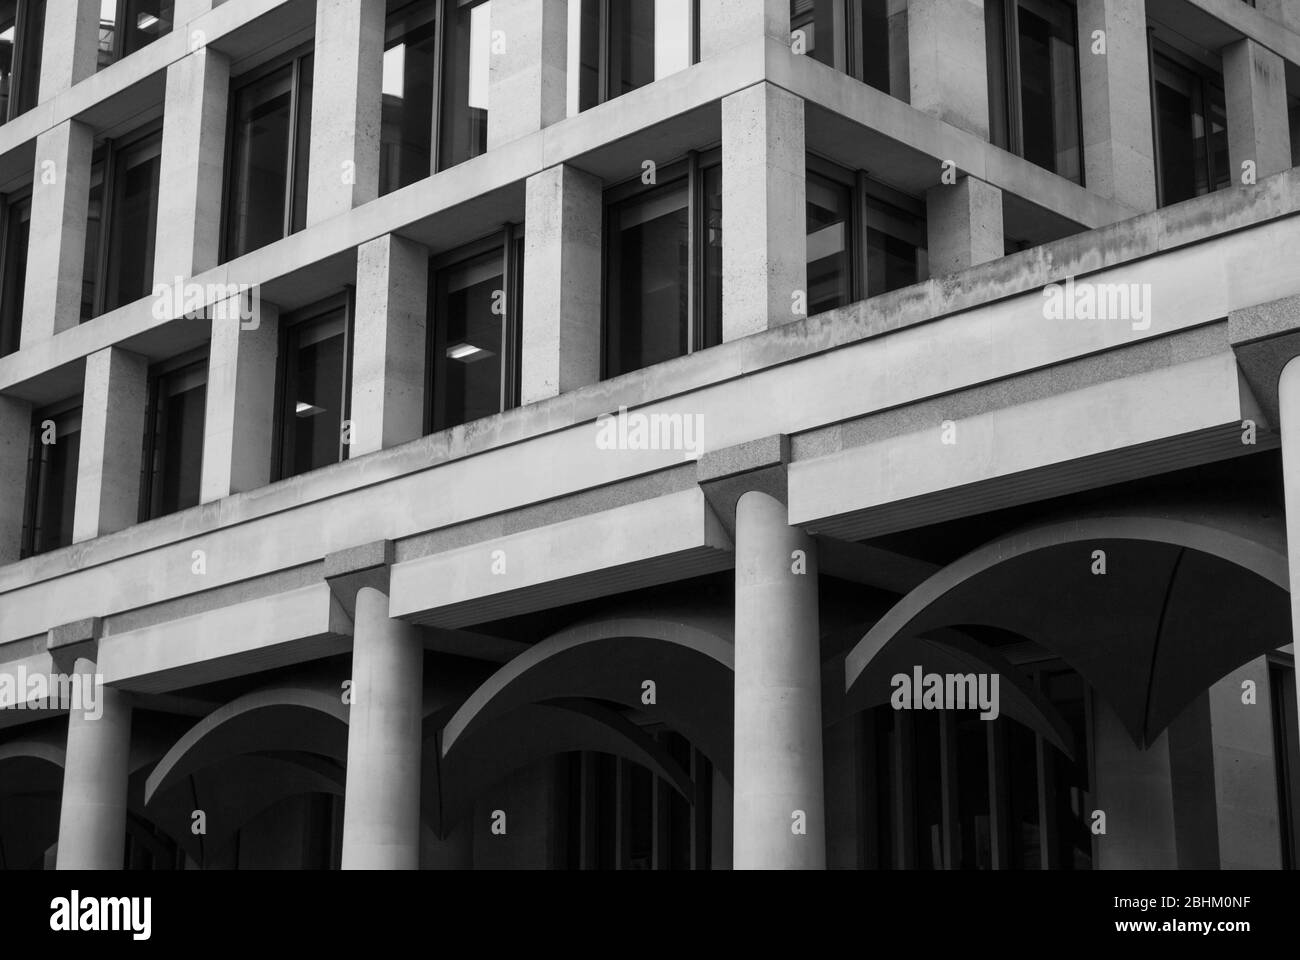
[(1173, 556), (689, 653)]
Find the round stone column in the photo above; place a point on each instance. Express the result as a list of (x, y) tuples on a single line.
[(778, 800), (381, 806)]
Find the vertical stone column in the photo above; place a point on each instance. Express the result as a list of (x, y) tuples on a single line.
[(346, 108), (15, 441), (191, 172), (728, 23), (1285, 12), (240, 412), (528, 72), (1115, 97), (92, 817), (778, 728), (381, 811), (70, 51), (562, 274), (1135, 791), (56, 251), (389, 346), (1254, 81), (764, 210), (112, 443), (963, 224), (948, 62), (1289, 415)]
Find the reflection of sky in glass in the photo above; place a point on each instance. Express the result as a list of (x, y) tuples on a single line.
[(107, 11), (480, 48), (672, 36), (394, 70)]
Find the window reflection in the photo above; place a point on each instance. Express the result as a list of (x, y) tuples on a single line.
[(466, 58), (627, 44), (1191, 130), (175, 444), (469, 349), (18, 221), (315, 398), (52, 487), (406, 140)]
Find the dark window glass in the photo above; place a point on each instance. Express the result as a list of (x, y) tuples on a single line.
[(814, 23), (896, 255), (1072, 844), (1286, 759), (1033, 78), (176, 441), (267, 190), (315, 399), (830, 279), (468, 40), (851, 36), (468, 345), (18, 222), (1023, 834), (94, 246), (127, 25), (713, 252), (627, 44), (53, 492), (973, 842), (134, 215), (648, 279), (1191, 127), (874, 29), (22, 28), (927, 790), (406, 141)]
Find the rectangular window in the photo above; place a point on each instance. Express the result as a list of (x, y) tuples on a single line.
[(13, 274), (864, 239), (174, 443), (266, 191), (1033, 59), (1191, 127), (474, 332), (851, 36), (466, 53), (626, 44), (52, 479), (22, 28), (127, 25), (410, 65), (1286, 758), (121, 224), (663, 266), (314, 386)]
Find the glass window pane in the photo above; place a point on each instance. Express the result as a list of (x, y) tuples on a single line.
[(17, 232), (56, 483), (1218, 146), (1180, 125), (8, 53), (406, 141), (314, 393), (589, 92), (713, 254), (178, 440), (631, 44), (302, 144), (29, 55), (465, 83), (829, 276), (134, 215), (995, 41), (259, 176), (819, 24), (874, 27), (648, 259), (468, 348), (895, 247), (1049, 94), (673, 27), (94, 226)]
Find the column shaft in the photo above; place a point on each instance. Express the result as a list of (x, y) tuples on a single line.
[(112, 443), (528, 73), (1288, 402), (381, 810), (778, 728), (728, 23), (92, 819), (964, 225), (948, 62), (1254, 81), (70, 50)]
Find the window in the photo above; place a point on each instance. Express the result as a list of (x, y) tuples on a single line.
[(864, 239), (22, 29), (850, 35), (1034, 83), (620, 816), (52, 479), (13, 273), (466, 53), (474, 329), (174, 440), (663, 266), (266, 192), (1010, 799), (127, 25), (1191, 127), (121, 223), (315, 377), (626, 44), (1286, 757), (410, 65)]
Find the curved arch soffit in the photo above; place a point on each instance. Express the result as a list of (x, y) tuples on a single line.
[(1249, 543)]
